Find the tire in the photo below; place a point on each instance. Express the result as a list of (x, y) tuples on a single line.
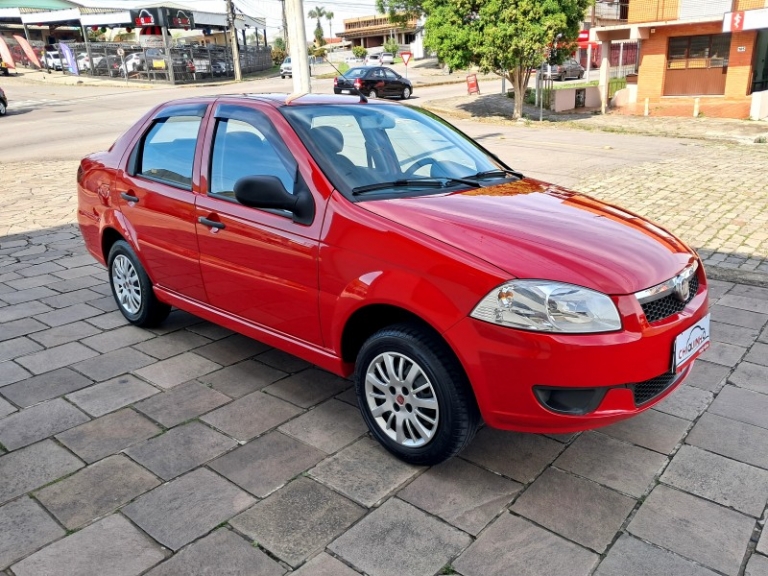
[(562, 77), (406, 93), (283, 77), (3, 109), (446, 417), (581, 75), (372, 94), (132, 288)]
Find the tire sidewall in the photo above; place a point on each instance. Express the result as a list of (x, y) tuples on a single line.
[(123, 248), (406, 93), (438, 376)]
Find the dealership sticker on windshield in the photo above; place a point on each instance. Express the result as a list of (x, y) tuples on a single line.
[(691, 343)]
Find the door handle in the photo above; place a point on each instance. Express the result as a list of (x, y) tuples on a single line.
[(128, 197), (212, 223)]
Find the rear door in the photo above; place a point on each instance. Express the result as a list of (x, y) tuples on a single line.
[(155, 193)]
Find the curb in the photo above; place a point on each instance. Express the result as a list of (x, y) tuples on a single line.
[(737, 276)]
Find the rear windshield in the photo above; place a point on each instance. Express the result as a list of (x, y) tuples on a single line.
[(355, 72)]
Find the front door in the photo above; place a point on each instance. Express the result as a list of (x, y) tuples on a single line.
[(760, 78), (257, 264)]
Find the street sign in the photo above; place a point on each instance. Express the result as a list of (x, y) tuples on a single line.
[(406, 56), (583, 36), (472, 86), (120, 52)]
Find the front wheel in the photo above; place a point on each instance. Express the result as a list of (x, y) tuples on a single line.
[(2, 108), (414, 395), (406, 93), (132, 287)]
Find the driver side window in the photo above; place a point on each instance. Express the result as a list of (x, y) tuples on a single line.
[(240, 149)]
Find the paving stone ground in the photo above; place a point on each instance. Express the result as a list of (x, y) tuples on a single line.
[(189, 450)]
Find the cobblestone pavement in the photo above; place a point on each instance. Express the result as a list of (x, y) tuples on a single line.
[(189, 449)]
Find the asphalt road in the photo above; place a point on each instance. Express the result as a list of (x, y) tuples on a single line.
[(60, 122)]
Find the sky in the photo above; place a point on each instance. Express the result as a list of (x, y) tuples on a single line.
[(342, 9)]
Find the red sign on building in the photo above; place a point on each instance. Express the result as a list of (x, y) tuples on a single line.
[(737, 21)]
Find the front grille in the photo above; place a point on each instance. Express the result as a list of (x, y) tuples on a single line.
[(665, 307), (648, 390)]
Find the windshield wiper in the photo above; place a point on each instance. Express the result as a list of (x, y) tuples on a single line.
[(414, 182), (498, 172)]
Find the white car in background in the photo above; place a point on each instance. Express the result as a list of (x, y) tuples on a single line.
[(387, 58), (53, 60), (84, 61)]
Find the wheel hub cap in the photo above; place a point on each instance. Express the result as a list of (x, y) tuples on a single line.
[(401, 399), (125, 281)]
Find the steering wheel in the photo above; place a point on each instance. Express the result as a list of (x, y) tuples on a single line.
[(413, 168)]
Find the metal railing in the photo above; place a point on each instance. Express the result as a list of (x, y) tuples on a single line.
[(188, 63)]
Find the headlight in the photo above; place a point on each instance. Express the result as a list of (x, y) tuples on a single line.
[(548, 307)]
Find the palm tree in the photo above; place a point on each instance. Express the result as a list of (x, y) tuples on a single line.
[(329, 17), (318, 13)]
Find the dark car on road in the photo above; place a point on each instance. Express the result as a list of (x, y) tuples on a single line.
[(374, 82)]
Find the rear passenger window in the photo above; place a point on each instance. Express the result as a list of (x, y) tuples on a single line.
[(168, 151)]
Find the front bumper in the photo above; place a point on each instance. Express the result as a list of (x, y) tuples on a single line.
[(509, 368)]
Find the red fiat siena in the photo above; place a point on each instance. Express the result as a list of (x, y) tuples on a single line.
[(376, 239)]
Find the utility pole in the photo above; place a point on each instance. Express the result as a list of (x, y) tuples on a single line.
[(233, 41), (294, 11), (285, 31)]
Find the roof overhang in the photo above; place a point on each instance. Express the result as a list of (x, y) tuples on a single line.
[(642, 30)]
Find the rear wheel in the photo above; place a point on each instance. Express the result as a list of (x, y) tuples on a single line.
[(562, 77), (406, 93), (132, 288), (414, 396), (2, 108), (372, 94)]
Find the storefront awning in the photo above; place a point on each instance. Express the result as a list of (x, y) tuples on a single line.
[(642, 30)]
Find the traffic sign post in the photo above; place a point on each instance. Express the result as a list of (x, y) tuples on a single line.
[(406, 56), (121, 53)]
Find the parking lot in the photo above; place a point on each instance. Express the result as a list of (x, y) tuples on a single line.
[(189, 449)]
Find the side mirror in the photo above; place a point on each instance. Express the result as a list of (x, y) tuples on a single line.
[(269, 192)]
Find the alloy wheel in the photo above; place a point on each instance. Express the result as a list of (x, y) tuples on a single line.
[(125, 280), (401, 399)]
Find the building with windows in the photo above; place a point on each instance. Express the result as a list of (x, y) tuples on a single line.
[(373, 31), (713, 54)]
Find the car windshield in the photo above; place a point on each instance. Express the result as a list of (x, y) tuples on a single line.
[(381, 151)]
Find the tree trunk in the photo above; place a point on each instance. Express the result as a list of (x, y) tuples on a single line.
[(519, 86)]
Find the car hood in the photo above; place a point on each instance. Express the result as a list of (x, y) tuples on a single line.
[(532, 229)]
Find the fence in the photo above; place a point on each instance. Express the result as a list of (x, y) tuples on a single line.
[(189, 63)]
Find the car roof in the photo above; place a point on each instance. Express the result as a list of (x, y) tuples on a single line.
[(278, 100)]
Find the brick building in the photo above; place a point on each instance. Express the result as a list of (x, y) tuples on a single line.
[(373, 31), (715, 51)]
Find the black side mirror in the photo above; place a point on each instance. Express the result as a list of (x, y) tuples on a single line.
[(269, 192)]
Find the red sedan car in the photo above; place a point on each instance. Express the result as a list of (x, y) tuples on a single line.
[(375, 238)]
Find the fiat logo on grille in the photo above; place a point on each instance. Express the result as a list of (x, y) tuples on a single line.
[(682, 288)]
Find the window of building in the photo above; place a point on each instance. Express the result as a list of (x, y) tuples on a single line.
[(704, 51)]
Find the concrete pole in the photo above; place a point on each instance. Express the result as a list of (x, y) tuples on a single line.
[(605, 74), (294, 13), (168, 55), (233, 41)]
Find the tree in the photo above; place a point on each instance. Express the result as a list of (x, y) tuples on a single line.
[(329, 17), (318, 12), (391, 45), (401, 11), (509, 37), (359, 52), (279, 43)]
